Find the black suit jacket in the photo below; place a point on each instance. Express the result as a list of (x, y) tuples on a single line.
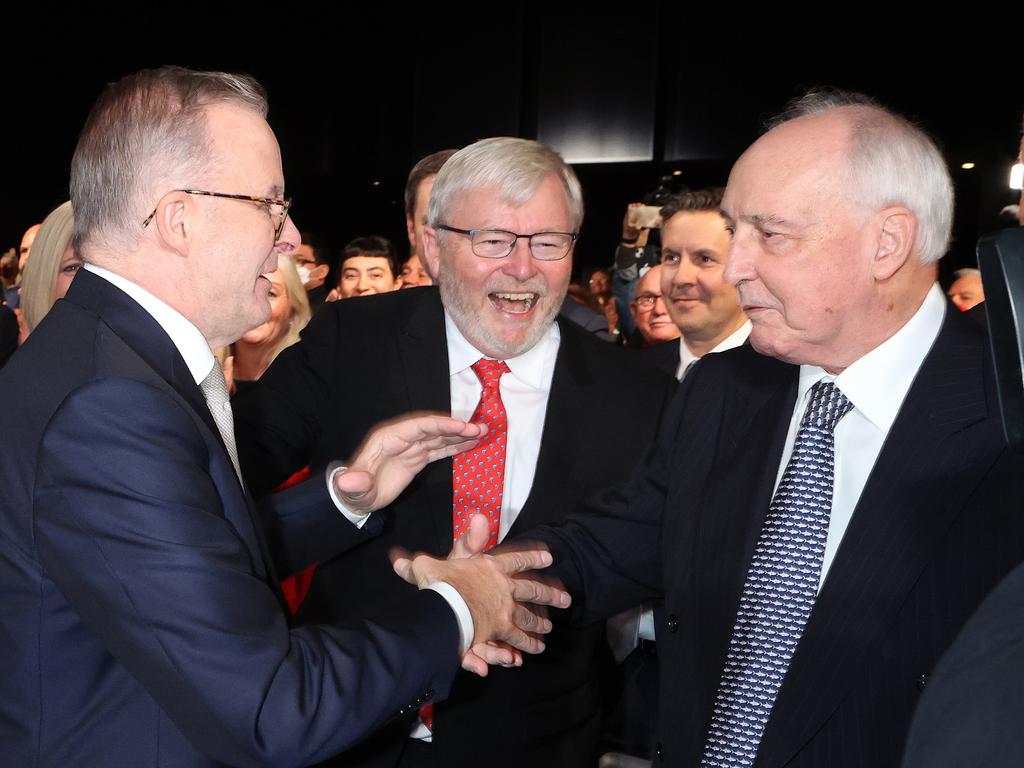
[(936, 526), (663, 356), (141, 622), (363, 360), (971, 714)]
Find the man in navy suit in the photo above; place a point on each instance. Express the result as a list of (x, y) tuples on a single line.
[(824, 508), (141, 623)]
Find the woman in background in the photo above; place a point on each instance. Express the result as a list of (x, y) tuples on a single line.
[(50, 268), (289, 313)]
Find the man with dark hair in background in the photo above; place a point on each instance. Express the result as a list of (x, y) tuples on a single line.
[(368, 265), (417, 197), (314, 268)]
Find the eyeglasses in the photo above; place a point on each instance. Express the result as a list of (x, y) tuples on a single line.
[(277, 207), (497, 243), (647, 300)]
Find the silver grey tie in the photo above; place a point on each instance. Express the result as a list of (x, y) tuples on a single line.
[(780, 589), (215, 390)]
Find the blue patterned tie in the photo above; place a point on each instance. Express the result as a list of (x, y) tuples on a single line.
[(780, 588)]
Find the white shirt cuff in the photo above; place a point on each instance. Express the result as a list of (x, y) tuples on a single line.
[(461, 611), (334, 469)]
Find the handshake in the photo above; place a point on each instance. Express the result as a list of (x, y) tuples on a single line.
[(506, 599)]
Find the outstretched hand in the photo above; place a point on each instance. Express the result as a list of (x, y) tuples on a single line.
[(394, 451)]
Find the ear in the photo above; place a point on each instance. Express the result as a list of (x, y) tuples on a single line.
[(410, 230), (175, 222), (431, 256), (896, 239)]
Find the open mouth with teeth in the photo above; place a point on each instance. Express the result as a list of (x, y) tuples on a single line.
[(513, 303)]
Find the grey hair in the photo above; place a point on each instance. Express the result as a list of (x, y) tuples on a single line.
[(892, 162), (146, 135), (516, 166)]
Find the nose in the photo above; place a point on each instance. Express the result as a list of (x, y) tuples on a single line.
[(739, 262), (364, 284), (290, 239), (659, 307), (519, 263)]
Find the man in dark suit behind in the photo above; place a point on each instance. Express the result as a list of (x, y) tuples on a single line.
[(829, 504), (141, 622), (578, 413)]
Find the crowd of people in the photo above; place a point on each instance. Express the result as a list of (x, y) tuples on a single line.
[(795, 495)]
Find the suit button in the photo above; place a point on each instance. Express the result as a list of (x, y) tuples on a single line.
[(921, 682), (659, 752), (672, 622), (429, 694)]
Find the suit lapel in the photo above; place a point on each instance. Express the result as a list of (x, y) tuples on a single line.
[(423, 351), (146, 338), (733, 508), (937, 451), (568, 402)]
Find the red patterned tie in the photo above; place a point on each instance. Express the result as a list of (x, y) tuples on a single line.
[(478, 476)]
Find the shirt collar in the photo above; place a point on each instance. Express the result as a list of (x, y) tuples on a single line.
[(527, 367), (733, 340), (878, 382), (191, 344)]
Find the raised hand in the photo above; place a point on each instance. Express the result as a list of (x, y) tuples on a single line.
[(394, 451)]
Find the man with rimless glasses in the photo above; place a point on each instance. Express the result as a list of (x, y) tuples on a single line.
[(503, 219)]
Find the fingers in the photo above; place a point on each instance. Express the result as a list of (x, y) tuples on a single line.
[(534, 591), (531, 621), (353, 484), (523, 560), (473, 663), (524, 641)]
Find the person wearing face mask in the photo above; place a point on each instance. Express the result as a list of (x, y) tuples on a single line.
[(311, 262)]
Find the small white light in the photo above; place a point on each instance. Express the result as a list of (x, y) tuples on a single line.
[(967, 166), (376, 183), (677, 173), (1017, 176)]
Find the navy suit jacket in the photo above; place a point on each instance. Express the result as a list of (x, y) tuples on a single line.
[(141, 624), (366, 359), (936, 526)]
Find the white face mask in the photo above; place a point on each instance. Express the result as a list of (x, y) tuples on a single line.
[(304, 273)]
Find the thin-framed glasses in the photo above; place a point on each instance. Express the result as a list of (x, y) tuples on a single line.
[(277, 207), (498, 243), (646, 300)]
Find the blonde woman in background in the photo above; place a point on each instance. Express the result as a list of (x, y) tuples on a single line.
[(50, 269), (289, 313)]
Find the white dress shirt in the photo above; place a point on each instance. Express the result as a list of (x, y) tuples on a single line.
[(524, 393), (687, 358), (876, 384)]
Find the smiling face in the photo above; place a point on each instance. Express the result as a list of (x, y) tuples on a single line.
[(236, 246), (802, 248), (502, 306), (653, 322), (272, 331), (363, 275), (694, 249)]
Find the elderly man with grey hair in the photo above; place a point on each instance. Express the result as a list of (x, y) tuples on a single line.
[(824, 508), (503, 220)]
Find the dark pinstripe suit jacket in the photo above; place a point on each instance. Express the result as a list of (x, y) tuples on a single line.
[(936, 527)]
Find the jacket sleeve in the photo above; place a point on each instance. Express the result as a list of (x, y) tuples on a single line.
[(130, 526)]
